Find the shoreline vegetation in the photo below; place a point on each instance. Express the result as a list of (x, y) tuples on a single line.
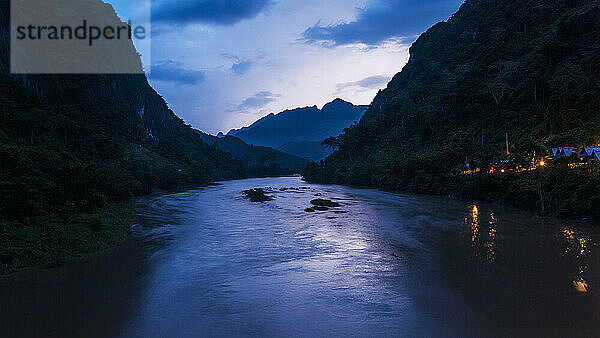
[(557, 191), (500, 84), (63, 190), (76, 149), (80, 235), (73, 236), (64, 238)]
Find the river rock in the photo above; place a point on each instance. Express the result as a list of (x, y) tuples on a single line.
[(324, 203)]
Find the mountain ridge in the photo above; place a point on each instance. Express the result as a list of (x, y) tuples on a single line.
[(255, 155), (305, 124)]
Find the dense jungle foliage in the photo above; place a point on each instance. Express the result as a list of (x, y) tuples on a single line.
[(523, 70), (75, 148)]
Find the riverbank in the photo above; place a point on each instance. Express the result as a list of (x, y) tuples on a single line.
[(560, 191), (55, 239), (62, 238), (555, 190)]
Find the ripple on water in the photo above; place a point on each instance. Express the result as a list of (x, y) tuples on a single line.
[(209, 262)]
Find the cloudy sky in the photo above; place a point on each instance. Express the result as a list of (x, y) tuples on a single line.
[(222, 64)]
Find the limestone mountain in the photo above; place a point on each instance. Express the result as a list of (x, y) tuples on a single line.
[(299, 131)]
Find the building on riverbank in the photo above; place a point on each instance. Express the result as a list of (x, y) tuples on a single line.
[(590, 154), (560, 152)]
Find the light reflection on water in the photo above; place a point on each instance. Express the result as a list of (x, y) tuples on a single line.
[(491, 243), (210, 263), (483, 239), (579, 246)]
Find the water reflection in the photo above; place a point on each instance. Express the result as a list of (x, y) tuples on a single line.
[(474, 224), (483, 242), (578, 247), (491, 242)]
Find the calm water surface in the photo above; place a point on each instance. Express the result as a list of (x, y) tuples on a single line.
[(208, 262)]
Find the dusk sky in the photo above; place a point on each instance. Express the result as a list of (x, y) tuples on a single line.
[(222, 64)]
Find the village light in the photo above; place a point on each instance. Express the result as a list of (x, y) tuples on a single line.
[(542, 163)]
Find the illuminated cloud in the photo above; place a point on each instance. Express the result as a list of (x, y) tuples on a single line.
[(383, 20)]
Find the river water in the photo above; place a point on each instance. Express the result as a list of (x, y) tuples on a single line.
[(208, 262)]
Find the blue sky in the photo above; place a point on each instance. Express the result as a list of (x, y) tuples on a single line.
[(223, 64)]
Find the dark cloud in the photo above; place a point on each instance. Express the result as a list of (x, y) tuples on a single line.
[(174, 72), (382, 20), (217, 12), (241, 67), (371, 82), (258, 100)]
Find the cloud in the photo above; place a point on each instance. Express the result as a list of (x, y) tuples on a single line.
[(383, 20), (241, 67), (371, 82), (258, 100), (216, 12), (174, 72)]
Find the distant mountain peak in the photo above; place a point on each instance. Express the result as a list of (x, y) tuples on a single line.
[(338, 100), (306, 124), (337, 104)]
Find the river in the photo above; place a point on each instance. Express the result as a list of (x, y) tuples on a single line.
[(208, 262)]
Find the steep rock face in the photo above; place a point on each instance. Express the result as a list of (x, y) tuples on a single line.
[(301, 124), (149, 118), (84, 139), (522, 72), (131, 93)]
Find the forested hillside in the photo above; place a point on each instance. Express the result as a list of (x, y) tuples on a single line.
[(276, 162), (74, 147), (312, 150), (518, 72)]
